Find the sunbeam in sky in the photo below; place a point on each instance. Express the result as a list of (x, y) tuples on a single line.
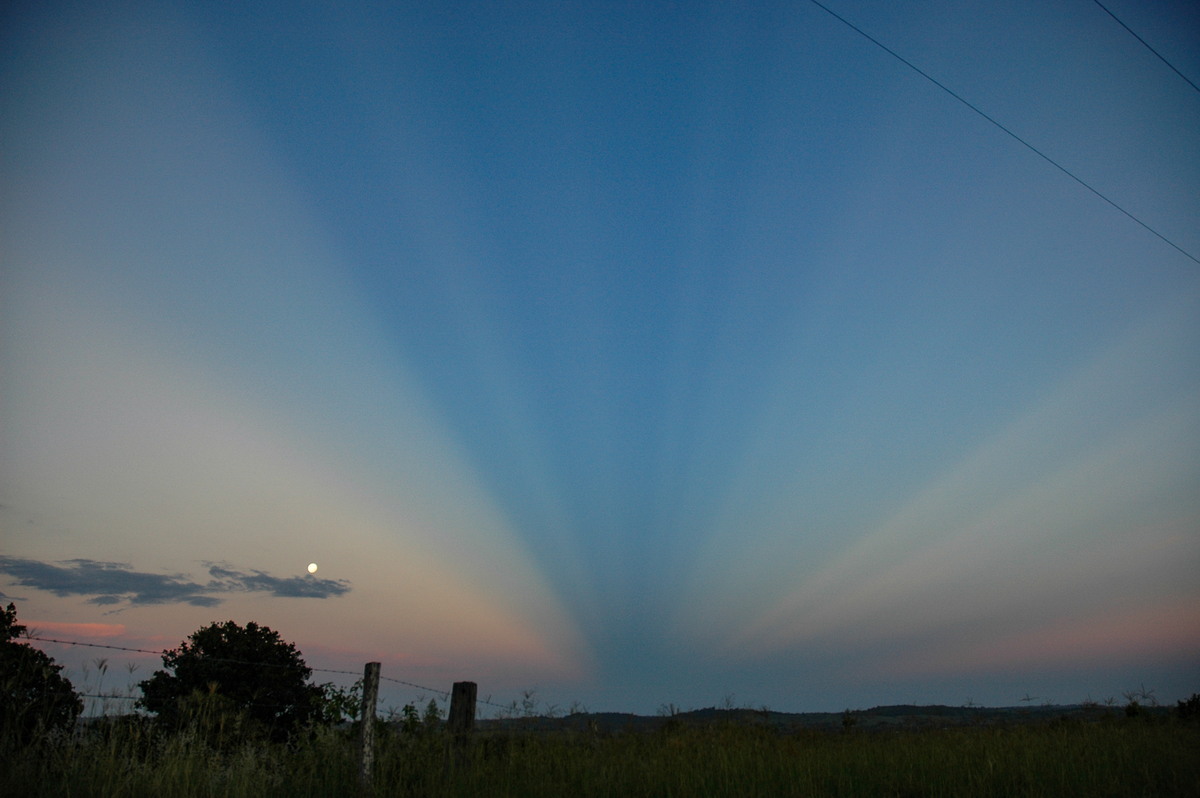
[(633, 354)]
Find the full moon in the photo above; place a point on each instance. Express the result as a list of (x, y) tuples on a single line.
[(312, 567)]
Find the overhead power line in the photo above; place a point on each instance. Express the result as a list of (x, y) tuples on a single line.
[(1147, 45), (997, 124)]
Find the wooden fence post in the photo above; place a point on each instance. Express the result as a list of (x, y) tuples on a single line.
[(370, 694), (462, 707), (461, 719)]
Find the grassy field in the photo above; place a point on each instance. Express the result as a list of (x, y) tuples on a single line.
[(1116, 756)]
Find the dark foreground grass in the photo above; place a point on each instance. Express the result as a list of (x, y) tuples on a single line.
[(1116, 757)]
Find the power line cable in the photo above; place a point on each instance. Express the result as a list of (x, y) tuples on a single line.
[(1146, 44), (997, 124)]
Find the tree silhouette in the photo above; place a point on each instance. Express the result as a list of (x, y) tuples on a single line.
[(227, 668), (34, 697)]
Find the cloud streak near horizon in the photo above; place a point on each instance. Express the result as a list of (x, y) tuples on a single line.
[(112, 583)]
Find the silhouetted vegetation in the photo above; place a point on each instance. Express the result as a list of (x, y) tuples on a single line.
[(1109, 756), (35, 699), (230, 681), (1119, 758), (1189, 710)]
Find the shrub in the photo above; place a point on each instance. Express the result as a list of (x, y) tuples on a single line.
[(35, 698), (235, 679), (1189, 710)]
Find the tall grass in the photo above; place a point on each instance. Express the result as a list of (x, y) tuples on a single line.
[(1115, 757)]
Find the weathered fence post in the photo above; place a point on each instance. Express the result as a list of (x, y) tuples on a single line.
[(462, 707), (370, 694), (462, 718)]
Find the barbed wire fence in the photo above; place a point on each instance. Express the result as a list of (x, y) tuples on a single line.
[(460, 713)]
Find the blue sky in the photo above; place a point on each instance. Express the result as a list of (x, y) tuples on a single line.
[(634, 353)]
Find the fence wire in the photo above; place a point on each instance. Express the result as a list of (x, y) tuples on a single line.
[(444, 693)]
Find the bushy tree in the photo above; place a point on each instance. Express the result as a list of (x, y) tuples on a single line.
[(35, 698), (224, 669), (1189, 710)]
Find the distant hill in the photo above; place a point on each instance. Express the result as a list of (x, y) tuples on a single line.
[(902, 716)]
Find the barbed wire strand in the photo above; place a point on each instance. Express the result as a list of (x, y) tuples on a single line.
[(108, 696), (118, 697), (444, 693)]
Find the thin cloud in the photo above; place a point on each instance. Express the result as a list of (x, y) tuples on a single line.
[(226, 579), (113, 583), (106, 583)]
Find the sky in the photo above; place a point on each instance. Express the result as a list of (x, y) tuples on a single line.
[(633, 354)]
